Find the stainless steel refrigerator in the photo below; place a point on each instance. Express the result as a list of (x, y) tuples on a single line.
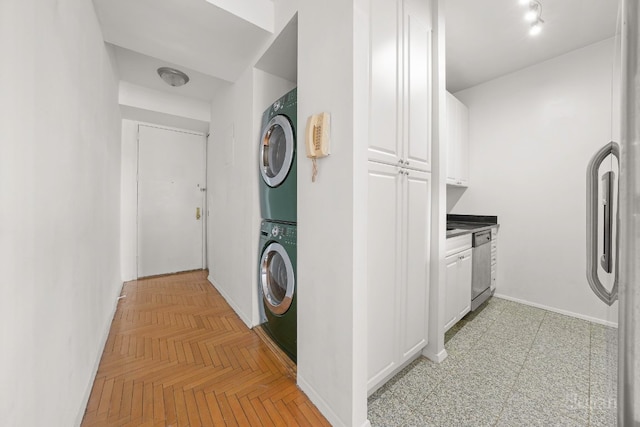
[(613, 222)]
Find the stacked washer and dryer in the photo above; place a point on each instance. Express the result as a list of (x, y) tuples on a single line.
[(278, 205)]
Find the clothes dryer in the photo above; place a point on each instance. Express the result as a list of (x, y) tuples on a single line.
[(277, 283), (278, 171)]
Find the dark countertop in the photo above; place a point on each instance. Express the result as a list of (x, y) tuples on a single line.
[(468, 228), (466, 224)]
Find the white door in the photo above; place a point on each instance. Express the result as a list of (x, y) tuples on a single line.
[(171, 176)]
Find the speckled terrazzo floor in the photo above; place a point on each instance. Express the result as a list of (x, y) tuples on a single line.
[(509, 365)]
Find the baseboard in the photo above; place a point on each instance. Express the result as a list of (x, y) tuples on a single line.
[(246, 319), (559, 311), (320, 403), (435, 357), (322, 406), (105, 337)]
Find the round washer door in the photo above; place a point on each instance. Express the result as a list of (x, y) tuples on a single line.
[(276, 150), (276, 278)]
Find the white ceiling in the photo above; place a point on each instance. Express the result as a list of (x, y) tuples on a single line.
[(195, 36), (486, 39), (281, 58), (141, 70)]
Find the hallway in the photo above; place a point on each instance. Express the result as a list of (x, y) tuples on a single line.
[(178, 355)]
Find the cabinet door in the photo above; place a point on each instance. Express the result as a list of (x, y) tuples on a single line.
[(384, 90), (452, 141), (417, 87), (383, 272), (451, 291), (457, 142), (463, 145), (415, 256), (464, 283)]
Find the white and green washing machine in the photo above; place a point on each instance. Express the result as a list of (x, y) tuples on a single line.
[(278, 171), (277, 283)]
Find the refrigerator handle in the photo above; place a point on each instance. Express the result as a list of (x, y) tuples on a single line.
[(609, 297), (607, 202)]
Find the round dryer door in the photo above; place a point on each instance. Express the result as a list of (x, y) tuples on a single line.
[(277, 279), (276, 151)]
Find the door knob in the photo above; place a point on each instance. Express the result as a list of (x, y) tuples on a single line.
[(197, 213)]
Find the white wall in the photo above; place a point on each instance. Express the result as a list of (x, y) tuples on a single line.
[(332, 223), (232, 183), (284, 11), (129, 201), (532, 134), (435, 349), (331, 326), (148, 105), (59, 208)]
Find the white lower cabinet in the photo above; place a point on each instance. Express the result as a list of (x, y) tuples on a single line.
[(398, 267), (458, 285)]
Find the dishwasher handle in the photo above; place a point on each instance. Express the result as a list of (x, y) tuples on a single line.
[(481, 238)]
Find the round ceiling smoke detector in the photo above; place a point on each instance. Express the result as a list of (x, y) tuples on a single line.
[(173, 77)]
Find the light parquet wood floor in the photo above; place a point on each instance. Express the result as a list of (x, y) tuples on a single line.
[(178, 355)]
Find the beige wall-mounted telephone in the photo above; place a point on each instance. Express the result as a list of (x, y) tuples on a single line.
[(317, 138)]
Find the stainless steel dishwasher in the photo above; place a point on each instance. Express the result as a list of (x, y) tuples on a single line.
[(480, 268)]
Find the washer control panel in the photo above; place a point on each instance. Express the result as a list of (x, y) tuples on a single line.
[(283, 233), (288, 100)]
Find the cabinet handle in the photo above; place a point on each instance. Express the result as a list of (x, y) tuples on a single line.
[(406, 162), (400, 161)]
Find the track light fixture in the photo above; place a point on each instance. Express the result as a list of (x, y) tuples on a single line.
[(534, 16)]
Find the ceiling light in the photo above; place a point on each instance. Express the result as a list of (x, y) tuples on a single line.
[(535, 9), (536, 27), (534, 15), (173, 77), (523, 2), (531, 15)]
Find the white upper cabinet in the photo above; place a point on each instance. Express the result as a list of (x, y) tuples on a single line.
[(457, 142), (384, 137), (400, 91)]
